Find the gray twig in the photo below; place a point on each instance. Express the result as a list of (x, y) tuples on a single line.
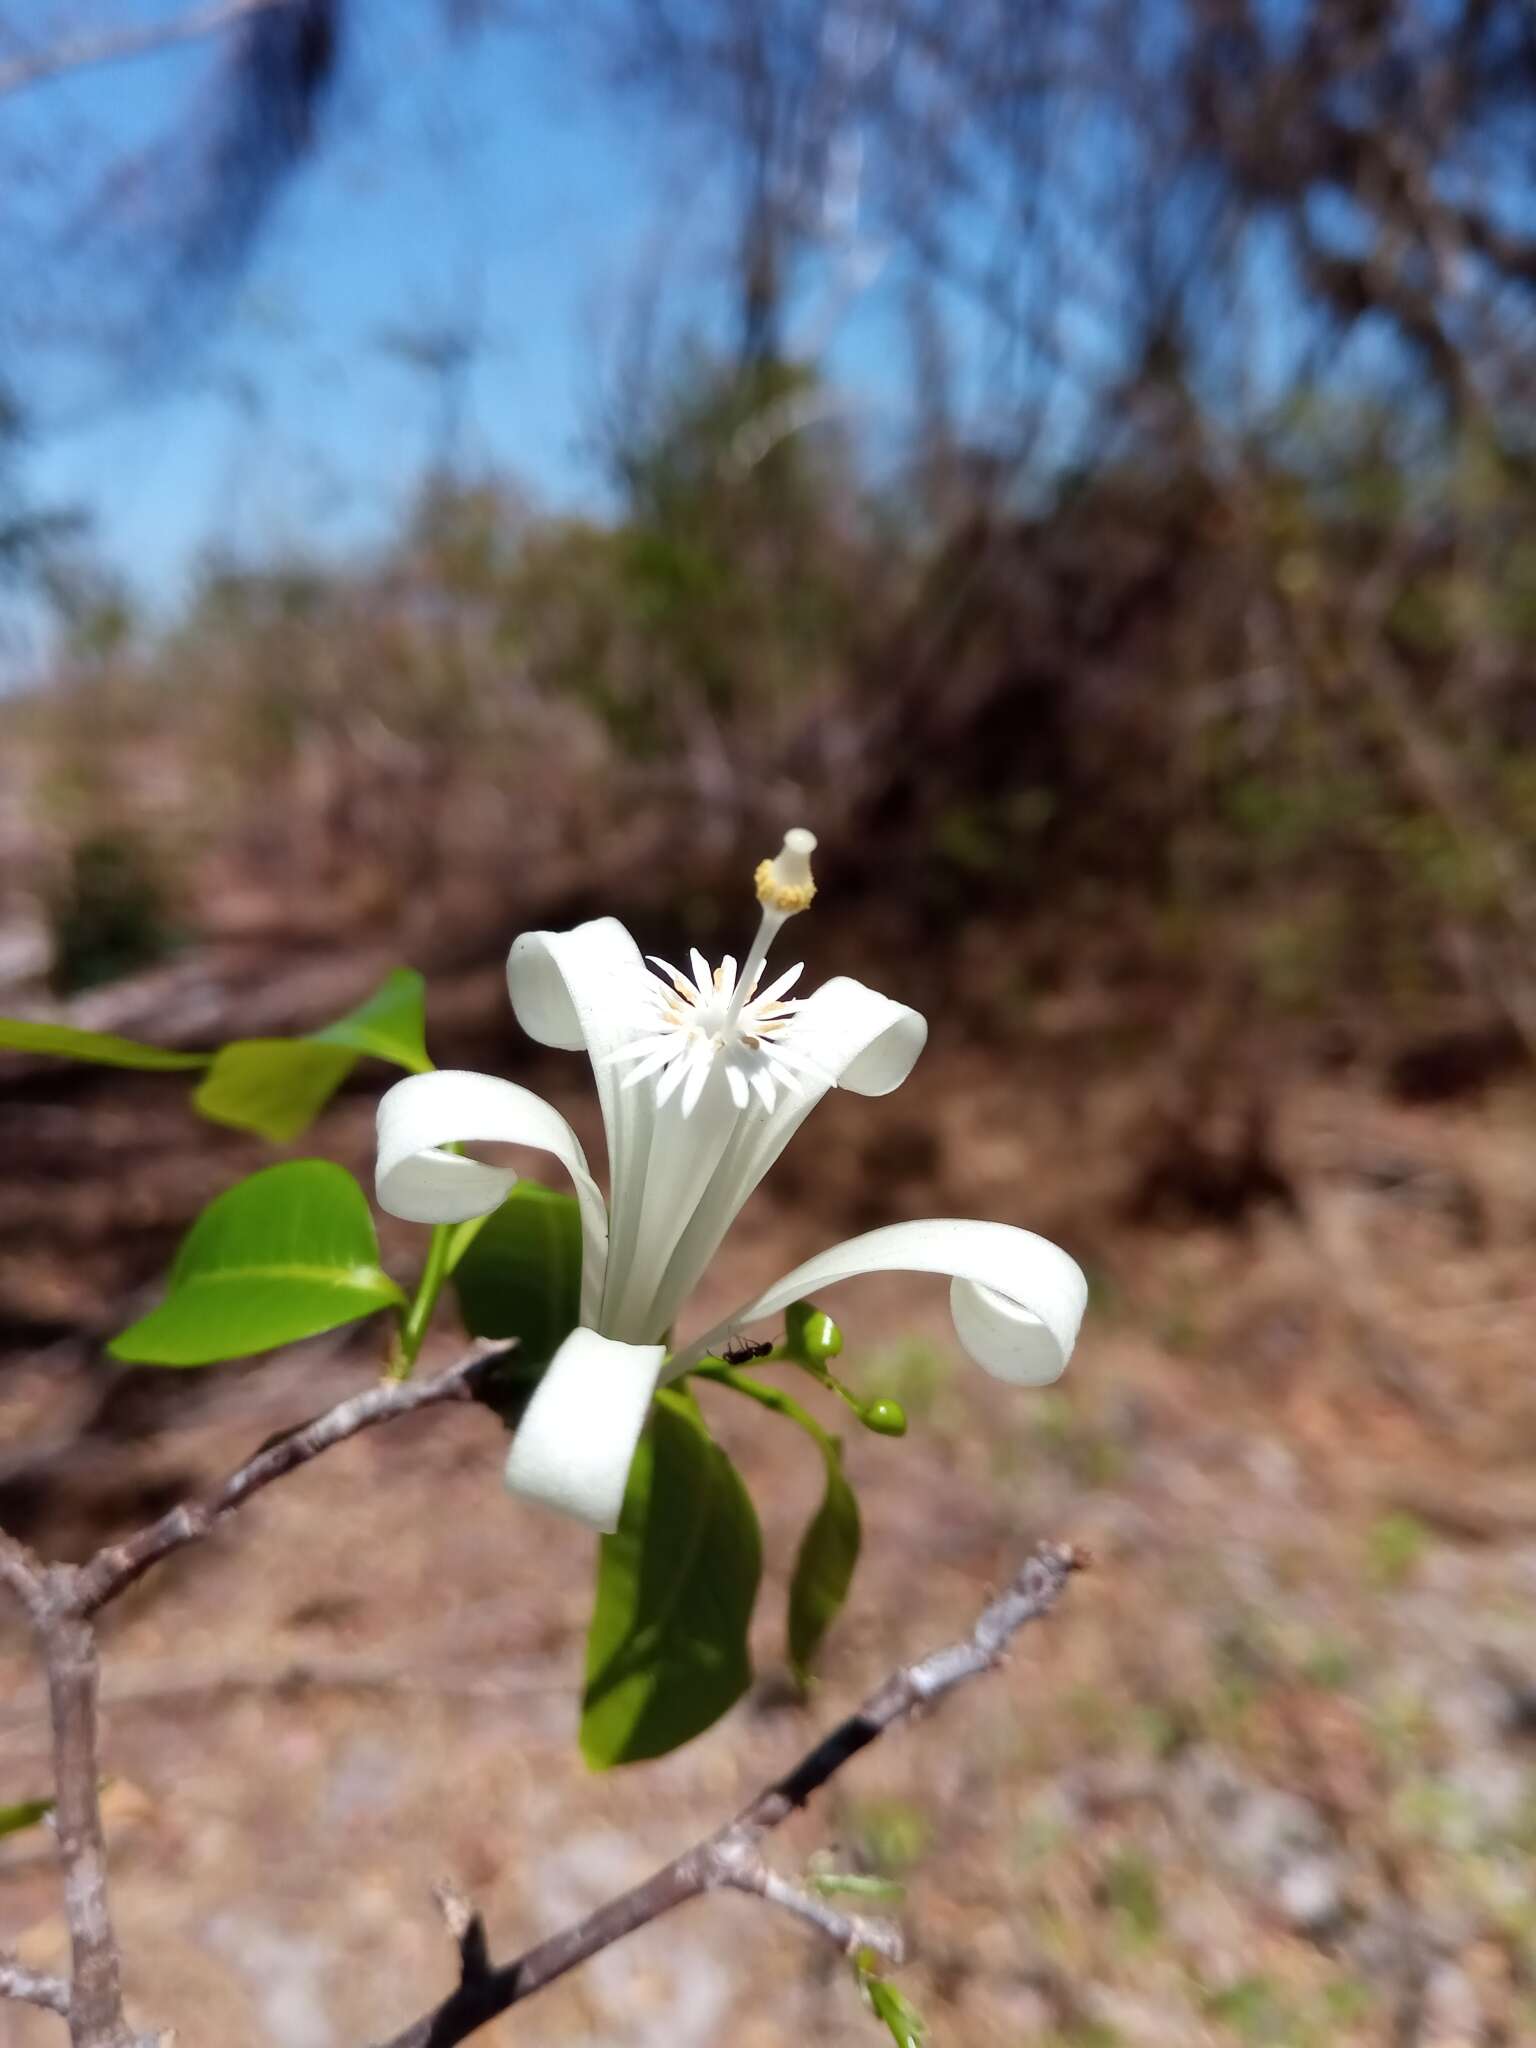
[(68, 1645), (31, 1987), (728, 1859), (117, 1565), (849, 1932), (22, 1572)]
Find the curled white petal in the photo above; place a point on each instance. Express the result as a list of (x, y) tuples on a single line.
[(859, 1037), (567, 988), (417, 1179), (576, 1441), (1017, 1299)]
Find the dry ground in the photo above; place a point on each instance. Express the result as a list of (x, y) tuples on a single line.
[(1267, 1777)]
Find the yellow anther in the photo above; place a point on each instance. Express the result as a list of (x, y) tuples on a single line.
[(784, 884)]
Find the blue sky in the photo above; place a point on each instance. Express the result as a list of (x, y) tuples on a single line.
[(487, 179), (493, 179)]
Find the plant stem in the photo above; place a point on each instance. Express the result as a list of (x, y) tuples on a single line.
[(419, 1315), (723, 1375)]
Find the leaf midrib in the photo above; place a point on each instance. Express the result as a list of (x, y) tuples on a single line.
[(347, 1277)]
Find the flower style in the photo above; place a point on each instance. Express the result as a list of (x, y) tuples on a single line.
[(703, 1079)]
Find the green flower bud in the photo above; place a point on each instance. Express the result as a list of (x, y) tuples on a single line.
[(884, 1416), (810, 1335)]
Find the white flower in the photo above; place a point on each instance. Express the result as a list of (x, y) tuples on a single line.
[(702, 1082)]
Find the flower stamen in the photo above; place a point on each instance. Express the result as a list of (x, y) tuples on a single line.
[(719, 1017)]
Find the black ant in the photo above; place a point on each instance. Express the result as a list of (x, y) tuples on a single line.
[(741, 1351)]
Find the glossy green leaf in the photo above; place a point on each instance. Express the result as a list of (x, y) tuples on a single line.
[(518, 1271), (273, 1086), (390, 1025), (667, 1653), (284, 1255), (25, 1814), (101, 1048), (276, 1087), (829, 1550), (824, 1568)]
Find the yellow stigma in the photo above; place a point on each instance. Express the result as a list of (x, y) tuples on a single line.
[(784, 883)]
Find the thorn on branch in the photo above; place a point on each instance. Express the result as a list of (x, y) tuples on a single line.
[(467, 1929)]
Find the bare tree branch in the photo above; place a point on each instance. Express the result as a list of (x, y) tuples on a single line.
[(95, 2012), (31, 1987), (60, 1600), (728, 1859), (108, 46), (117, 1565)]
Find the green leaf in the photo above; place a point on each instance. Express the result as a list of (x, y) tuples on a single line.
[(284, 1255), (273, 1086), (25, 1814), (518, 1271), (902, 2020), (390, 1025), (667, 1653), (278, 1086), (102, 1048), (824, 1568), (829, 1550)]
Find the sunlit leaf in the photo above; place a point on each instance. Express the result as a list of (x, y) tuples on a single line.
[(273, 1086), (286, 1254), (101, 1048), (390, 1025), (276, 1087), (25, 1814), (829, 1550), (518, 1271), (667, 1653), (824, 1568)]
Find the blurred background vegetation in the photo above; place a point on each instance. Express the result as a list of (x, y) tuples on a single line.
[(1172, 601), (1077, 455)]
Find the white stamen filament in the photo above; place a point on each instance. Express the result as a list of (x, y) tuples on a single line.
[(768, 928), (719, 1017)]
